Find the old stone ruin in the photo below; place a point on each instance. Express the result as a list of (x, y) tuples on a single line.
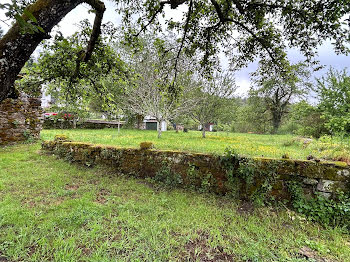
[(20, 119), (216, 173)]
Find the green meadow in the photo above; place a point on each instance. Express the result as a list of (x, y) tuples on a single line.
[(244, 144)]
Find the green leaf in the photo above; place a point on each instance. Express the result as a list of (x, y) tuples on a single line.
[(40, 29), (30, 15)]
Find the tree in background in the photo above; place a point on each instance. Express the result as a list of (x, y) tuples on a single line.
[(226, 119), (279, 88), (334, 96), (306, 120), (211, 97), (149, 91), (246, 29), (252, 116), (56, 70)]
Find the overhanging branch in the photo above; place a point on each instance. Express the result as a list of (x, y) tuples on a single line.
[(183, 38), (173, 4), (99, 8), (223, 19)]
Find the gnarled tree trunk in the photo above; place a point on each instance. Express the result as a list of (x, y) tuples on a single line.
[(16, 47), (276, 121)]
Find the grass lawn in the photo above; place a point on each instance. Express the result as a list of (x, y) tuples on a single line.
[(245, 144), (51, 210)]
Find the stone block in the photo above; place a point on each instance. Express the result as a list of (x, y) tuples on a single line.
[(325, 186), (344, 172), (310, 181), (330, 186), (325, 194), (19, 116)]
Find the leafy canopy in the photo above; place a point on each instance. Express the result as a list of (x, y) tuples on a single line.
[(245, 30), (334, 95), (69, 80)]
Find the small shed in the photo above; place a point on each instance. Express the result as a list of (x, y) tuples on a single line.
[(151, 124)]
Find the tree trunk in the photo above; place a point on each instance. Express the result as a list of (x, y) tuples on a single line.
[(276, 122), (118, 126), (159, 127), (139, 121), (17, 47), (203, 130)]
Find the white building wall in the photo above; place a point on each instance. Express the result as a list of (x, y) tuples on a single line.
[(163, 126), (45, 100)]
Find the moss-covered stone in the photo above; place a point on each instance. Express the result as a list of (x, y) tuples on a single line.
[(146, 145), (61, 138)]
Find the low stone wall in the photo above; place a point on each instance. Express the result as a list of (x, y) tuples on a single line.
[(20, 119), (212, 173), (57, 124), (88, 124)]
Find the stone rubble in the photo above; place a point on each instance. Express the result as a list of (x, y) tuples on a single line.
[(20, 119)]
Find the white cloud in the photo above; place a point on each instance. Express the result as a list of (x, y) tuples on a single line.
[(243, 85)]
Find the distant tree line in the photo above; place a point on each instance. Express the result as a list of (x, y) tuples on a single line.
[(328, 114)]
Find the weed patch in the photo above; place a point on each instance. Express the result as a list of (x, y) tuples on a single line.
[(333, 212)]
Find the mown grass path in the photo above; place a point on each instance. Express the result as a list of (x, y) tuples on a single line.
[(51, 210)]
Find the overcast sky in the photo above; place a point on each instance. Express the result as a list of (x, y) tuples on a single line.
[(67, 26)]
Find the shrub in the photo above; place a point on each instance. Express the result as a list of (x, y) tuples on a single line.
[(28, 136), (305, 120), (167, 177), (334, 95)]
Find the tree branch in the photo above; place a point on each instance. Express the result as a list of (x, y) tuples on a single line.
[(173, 4), (100, 8), (224, 19), (183, 38), (160, 9)]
